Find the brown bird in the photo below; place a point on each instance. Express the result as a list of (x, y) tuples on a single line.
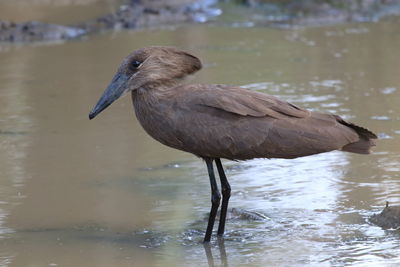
[(220, 121)]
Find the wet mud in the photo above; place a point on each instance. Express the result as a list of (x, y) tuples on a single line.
[(35, 31), (134, 14)]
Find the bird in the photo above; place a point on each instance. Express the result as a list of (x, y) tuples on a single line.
[(216, 121)]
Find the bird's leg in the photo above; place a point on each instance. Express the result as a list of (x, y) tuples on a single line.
[(215, 199), (226, 194)]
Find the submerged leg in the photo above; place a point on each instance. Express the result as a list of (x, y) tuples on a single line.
[(226, 194), (215, 199)]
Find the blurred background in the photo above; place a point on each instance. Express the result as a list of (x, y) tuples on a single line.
[(75, 192)]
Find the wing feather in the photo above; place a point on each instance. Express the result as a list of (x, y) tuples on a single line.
[(244, 102)]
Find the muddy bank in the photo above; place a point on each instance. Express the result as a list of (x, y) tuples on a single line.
[(35, 31), (134, 14), (137, 14), (146, 14)]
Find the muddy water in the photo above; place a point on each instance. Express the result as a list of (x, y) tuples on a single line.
[(55, 11), (75, 192)]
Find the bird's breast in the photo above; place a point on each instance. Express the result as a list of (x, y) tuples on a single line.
[(155, 114)]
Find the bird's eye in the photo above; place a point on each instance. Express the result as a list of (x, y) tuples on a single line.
[(135, 64)]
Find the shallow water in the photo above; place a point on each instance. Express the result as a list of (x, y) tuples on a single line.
[(75, 192), (55, 11)]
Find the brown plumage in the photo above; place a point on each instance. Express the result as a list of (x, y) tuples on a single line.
[(220, 121)]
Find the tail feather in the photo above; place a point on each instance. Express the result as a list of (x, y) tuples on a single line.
[(364, 144)]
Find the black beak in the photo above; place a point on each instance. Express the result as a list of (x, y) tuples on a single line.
[(117, 87)]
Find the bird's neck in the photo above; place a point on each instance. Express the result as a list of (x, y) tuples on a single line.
[(150, 97), (156, 91)]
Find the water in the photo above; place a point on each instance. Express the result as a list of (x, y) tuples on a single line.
[(55, 11), (75, 192)]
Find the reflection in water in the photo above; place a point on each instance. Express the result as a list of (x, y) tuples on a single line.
[(77, 193), (210, 258), (222, 253)]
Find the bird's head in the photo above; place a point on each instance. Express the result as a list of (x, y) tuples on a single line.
[(147, 68)]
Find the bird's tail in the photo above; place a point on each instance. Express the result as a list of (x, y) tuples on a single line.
[(364, 144)]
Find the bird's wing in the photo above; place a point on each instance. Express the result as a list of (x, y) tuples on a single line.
[(244, 102), (236, 123)]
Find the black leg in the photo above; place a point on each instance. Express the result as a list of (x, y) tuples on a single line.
[(215, 199), (226, 194)]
